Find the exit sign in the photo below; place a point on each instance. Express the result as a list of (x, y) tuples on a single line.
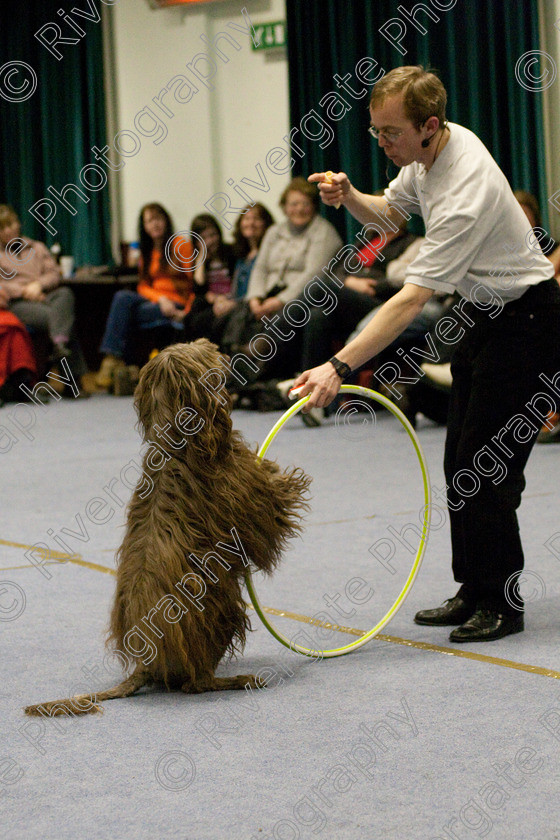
[(269, 35)]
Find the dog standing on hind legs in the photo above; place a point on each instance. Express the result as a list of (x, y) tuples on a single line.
[(203, 494)]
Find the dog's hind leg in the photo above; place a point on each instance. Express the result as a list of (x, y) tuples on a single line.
[(221, 684), (86, 704)]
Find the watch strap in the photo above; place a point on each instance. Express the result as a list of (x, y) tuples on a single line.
[(341, 368)]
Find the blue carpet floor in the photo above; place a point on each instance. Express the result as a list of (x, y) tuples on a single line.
[(400, 740)]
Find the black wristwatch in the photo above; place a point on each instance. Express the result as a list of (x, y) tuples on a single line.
[(341, 368)]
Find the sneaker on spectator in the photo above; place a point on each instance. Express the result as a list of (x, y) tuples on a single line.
[(55, 382), (438, 374), (60, 351), (283, 388), (313, 417)]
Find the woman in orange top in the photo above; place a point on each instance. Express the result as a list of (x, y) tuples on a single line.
[(164, 294)]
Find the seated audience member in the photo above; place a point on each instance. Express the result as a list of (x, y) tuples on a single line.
[(551, 248), (30, 281), (164, 294), (430, 394), (232, 313), (214, 266), (381, 276), (530, 207), (17, 362), (248, 234), (555, 260), (292, 253)]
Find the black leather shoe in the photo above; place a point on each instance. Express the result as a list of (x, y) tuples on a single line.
[(453, 611), (486, 625)]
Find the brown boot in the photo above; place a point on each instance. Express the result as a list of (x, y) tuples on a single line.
[(125, 380), (109, 365)]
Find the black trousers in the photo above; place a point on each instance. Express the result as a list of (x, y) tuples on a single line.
[(498, 404), (322, 330)]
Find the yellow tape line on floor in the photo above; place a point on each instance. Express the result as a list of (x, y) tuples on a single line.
[(397, 640), (55, 557), (305, 619)]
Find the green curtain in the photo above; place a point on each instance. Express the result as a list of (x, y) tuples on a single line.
[(475, 46), (46, 139)]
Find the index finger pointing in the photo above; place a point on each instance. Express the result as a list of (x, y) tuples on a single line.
[(329, 179)]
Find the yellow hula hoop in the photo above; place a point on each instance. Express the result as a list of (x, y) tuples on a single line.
[(370, 634)]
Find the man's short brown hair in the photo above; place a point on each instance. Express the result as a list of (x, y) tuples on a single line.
[(424, 93)]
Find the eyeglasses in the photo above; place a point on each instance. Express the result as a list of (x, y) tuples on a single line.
[(389, 136)]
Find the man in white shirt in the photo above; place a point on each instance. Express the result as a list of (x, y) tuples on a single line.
[(506, 328)]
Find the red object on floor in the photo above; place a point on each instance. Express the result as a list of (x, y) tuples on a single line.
[(16, 350)]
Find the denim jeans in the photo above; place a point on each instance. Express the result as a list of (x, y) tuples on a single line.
[(130, 312)]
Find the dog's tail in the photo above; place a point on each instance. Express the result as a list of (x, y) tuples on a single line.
[(86, 704)]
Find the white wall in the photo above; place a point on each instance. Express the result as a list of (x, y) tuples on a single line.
[(550, 43), (220, 133)]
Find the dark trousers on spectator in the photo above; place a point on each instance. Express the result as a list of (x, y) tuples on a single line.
[(338, 325), (491, 430), (130, 312), (321, 330)]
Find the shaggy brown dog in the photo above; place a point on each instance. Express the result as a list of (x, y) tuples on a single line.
[(204, 507)]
